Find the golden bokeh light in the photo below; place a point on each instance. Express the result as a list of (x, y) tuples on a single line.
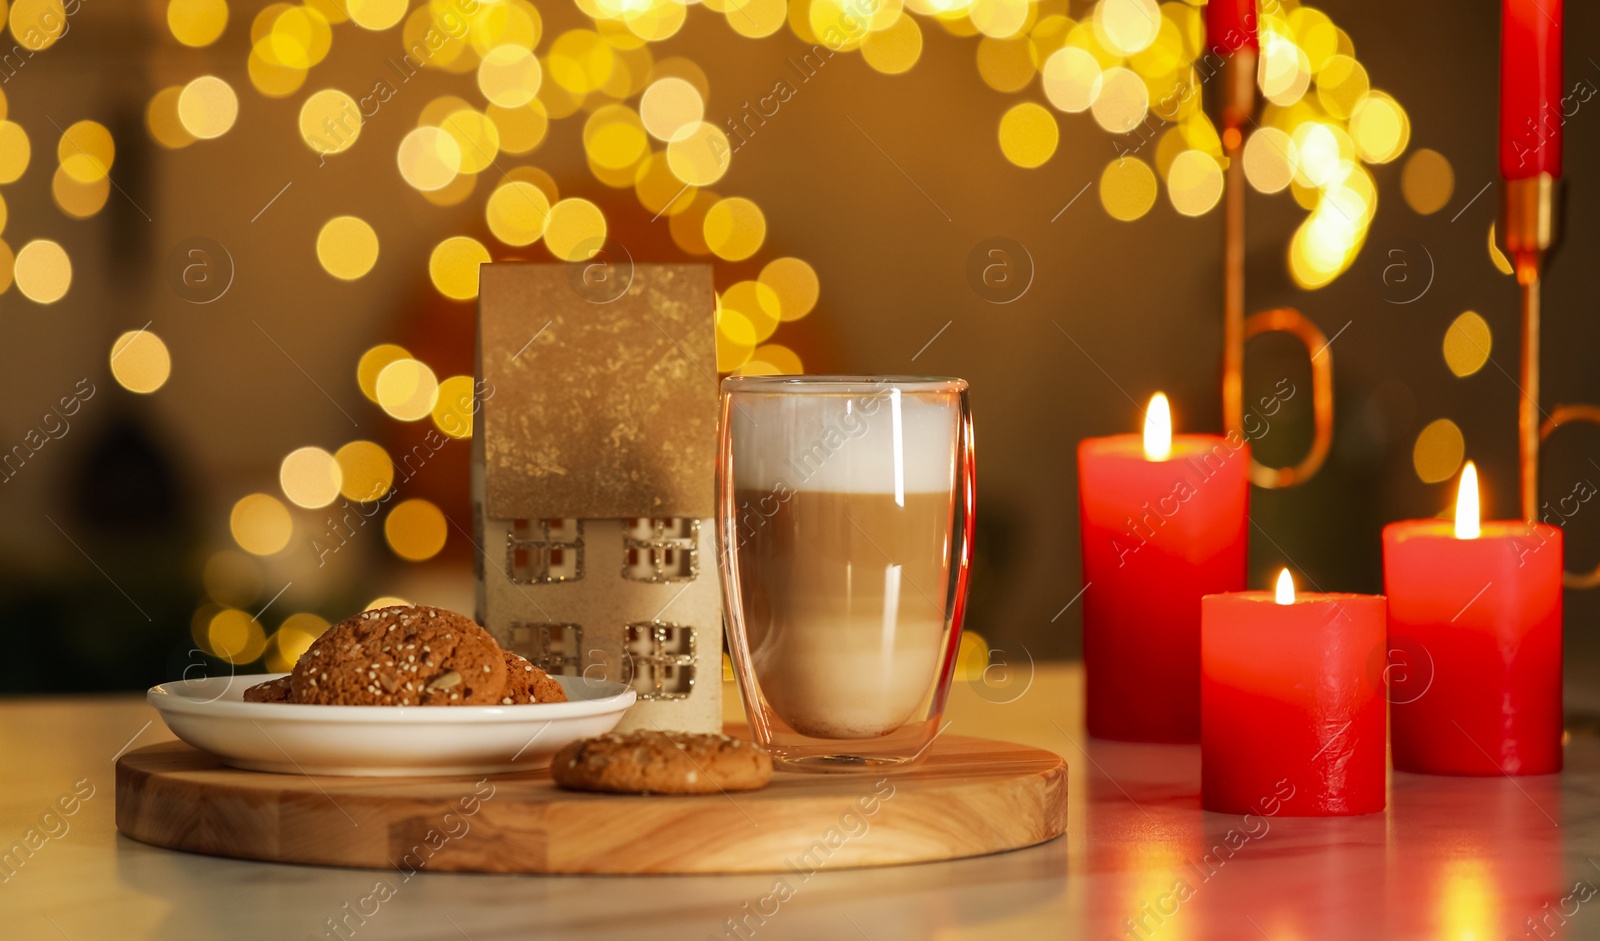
[(1122, 102), (37, 24), (891, 51), (429, 159), (407, 390), (452, 412), (735, 228), (372, 363), (1028, 134), (1467, 343), (269, 76), (783, 360), (197, 22), (736, 339), (1284, 73), (416, 530), (1126, 27), (580, 61), (614, 138), (376, 14), (575, 229), (140, 361), (310, 477), (517, 212), (14, 151), (260, 524), (42, 271), (86, 152), (510, 76), (1427, 181), (476, 137), (235, 636), (758, 303), (522, 129), (1128, 188), (1072, 79), (453, 267), (207, 107), (701, 156), (671, 108), (7, 264), (79, 200), (659, 191), (330, 121), (1341, 84), (1005, 65), (294, 636), (300, 38), (1437, 454), (387, 601), (347, 247), (757, 19), (1270, 160), (1194, 182), (795, 285), (365, 471), (1502, 264), (161, 118), (232, 578), (1379, 128)]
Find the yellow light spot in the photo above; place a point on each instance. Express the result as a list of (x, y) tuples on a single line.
[(701, 156), (1341, 84), (292, 639), (416, 530), (686, 69), (783, 360), (687, 227), (269, 76), (892, 51), (387, 601), (1000, 19), (521, 129), (1028, 134), (14, 151), (235, 636), (376, 14), (1437, 454), (575, 229), (372, 363), (1320, 160), (756, 19), (4, 215), (330, 121), (161, 117), (517, 212), (407, 390), (347, 247), (1126, 26), (658, 190), (207, 107), (300, 38), (476, 137), (453, 266), (1072, 79), (758, 303), (1123, 101), (429, 159), (1285, 71), (1380, 128), (79, 200), (86, 152), (1428, 181), (260, 524), (795, 285), (1127, 188), (453, 411), (1467, 343), (1005, 64), (580, 61), (1194, 182), (43, 271), (736, 339), (671, 108), (365, 471), (233, 578), (735, 228), (454, 193), (509, 76), (1501, 262), (544, 181), (310, 477), (37, 24), (7, 263), (140, 361), (614, 138), (1270, 159)]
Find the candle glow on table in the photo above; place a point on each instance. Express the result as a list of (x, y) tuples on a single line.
[(1292, 714), (1530, 88), (1162, 522), (1475, 643)]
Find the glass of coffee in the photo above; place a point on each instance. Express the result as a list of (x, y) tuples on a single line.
[(844, 529)]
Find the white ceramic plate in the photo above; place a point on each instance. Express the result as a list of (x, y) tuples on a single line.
[(291, 738)]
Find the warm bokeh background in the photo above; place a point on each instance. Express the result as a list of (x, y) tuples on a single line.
[(120, 567)]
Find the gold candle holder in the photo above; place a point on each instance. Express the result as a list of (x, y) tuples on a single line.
[(1530, 229)]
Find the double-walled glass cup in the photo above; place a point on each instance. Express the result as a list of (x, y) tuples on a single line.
[(844, 529)]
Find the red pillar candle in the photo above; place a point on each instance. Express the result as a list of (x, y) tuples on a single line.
[(1291, 712), (1530, 88), (1162, 522), (1231, 24), (1474, 643)]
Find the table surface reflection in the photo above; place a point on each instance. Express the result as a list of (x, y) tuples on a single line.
[(1452, 858)]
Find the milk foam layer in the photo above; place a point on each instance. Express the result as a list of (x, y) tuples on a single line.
[(883, 442)]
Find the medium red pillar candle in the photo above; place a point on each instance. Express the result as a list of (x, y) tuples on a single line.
[(1291, 712), (1231, 24), (1162, 522), (1530, 88), (1474, 643)]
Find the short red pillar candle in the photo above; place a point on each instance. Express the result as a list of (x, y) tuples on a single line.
[(1291, 709), (1474, 643), (1531, 113), (1158, 531)]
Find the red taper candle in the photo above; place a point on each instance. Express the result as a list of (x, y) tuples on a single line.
[(1530, 88), (1231, 24), (1162, 522), (1474, 642)]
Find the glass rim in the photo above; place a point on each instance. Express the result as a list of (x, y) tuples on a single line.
[(822, 384)]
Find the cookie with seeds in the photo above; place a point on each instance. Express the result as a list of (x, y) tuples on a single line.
[(401, 656), (271, 691), (651, 762), (526, 683)]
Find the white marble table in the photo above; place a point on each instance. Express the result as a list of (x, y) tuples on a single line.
[(1451, 859)]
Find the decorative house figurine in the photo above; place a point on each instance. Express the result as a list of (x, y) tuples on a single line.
[(593, 480)]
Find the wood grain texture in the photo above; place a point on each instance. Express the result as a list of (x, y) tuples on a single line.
[(969, 797)]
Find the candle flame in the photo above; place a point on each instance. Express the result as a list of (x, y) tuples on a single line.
[(1467, 512), (1285, 588), (1158, 429)]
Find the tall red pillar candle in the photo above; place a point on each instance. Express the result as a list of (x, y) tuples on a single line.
[(1158, 531), (1231, 24), (1291, 711), (1474, 643), (1530, 88)]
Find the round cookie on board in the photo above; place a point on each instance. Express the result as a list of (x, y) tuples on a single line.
[(650, 762)]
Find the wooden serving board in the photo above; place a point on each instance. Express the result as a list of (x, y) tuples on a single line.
[(968, 797)]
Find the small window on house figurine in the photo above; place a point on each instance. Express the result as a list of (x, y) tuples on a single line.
[(675, 640), (674, 681), (661, 550), (554, 554), (556, 649)]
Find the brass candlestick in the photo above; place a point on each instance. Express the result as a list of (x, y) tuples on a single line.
[(1530, 229)]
